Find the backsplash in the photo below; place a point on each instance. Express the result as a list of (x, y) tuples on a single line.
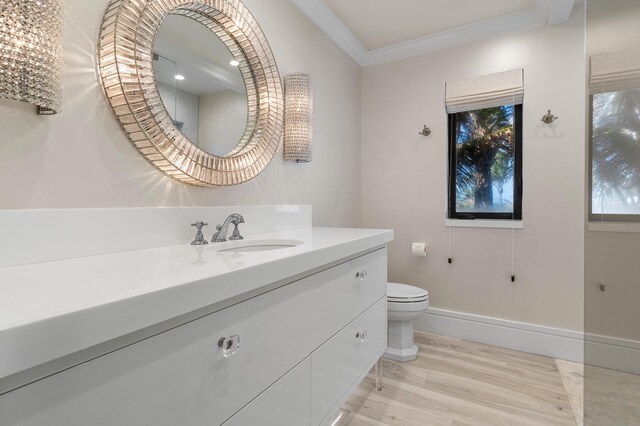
[(31, 236)]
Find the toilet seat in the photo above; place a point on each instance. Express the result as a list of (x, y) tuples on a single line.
[(403, 293)]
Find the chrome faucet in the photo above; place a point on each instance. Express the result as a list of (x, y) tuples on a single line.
[(221, 235)]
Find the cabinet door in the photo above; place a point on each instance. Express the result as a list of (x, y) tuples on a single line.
[(338, 364), (287, 402)]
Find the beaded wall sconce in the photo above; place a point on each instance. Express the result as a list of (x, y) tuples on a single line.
[(298, 112), (30, 53)]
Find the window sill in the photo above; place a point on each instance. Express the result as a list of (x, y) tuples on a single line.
[(484, 223), (613, 227)]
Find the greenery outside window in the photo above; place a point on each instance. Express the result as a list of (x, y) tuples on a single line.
[(485, 163), (615, 156)]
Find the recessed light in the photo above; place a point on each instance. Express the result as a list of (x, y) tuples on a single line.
[(179, 77), (234, 63)]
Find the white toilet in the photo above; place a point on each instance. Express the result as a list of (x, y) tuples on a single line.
[(405, 303)]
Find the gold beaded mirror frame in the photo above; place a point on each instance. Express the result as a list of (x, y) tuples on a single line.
[(125, 60)]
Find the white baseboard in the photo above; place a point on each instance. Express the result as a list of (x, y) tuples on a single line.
[(601, 351), (536, 339), (612, 352)]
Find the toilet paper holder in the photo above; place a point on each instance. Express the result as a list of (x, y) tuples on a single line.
[(419, 249)]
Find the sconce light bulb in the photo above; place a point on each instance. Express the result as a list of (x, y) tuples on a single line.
[(179, 77), (234, 63)]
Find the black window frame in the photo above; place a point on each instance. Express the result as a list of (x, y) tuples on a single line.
[(517, 174), (602, 217)]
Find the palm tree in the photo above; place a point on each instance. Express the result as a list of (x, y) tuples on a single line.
[(484, 136), (616, 145), (501, 172)]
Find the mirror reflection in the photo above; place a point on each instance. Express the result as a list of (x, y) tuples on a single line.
[(612, 241), (200, 84)]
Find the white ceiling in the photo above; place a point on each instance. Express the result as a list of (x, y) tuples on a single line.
[(378, 31), (380, 23)]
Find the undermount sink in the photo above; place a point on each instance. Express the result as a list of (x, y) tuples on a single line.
[(242, 246)]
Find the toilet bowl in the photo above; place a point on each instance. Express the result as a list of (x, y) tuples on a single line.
[(405, 303)]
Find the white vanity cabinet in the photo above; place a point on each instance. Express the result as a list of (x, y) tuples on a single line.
[(286, 356)]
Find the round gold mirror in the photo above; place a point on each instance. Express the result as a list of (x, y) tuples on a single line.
[(194, 85)]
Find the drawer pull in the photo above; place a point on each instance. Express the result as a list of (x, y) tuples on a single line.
[(361, 335), (361, 275), (230, 346)]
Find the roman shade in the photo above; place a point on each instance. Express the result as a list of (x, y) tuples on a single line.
[(492, 90), (611, 72)]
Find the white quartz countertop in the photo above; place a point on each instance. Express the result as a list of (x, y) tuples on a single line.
[(52, 309)]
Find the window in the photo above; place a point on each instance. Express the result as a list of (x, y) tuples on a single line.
[(485, 163), (614, 142), (615, 156), (485, 146)]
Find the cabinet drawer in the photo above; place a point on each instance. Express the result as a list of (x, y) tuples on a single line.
[(341, 361), (351, 288), (287, 402), (181, 376)]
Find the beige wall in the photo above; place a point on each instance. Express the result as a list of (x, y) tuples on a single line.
[(404, 178), (613, 29), (612, 257), (81, 158), (222, 121)]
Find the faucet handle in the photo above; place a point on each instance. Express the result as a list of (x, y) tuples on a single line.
[(199, 240), (235, 235), (199, 224)]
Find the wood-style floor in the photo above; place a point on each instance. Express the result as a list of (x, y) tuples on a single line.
[(611, 397), (456, 383)]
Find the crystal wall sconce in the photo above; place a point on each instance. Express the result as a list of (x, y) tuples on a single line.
[(30, 53), (298, 112)]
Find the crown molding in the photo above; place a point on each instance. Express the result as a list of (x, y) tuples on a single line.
[(555, 11), (323, 17), (544, 12), (177, 53), (457, 36), (591, 10)]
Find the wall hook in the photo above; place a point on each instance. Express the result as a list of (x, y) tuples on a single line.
[(548, 118), (425, 132)]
